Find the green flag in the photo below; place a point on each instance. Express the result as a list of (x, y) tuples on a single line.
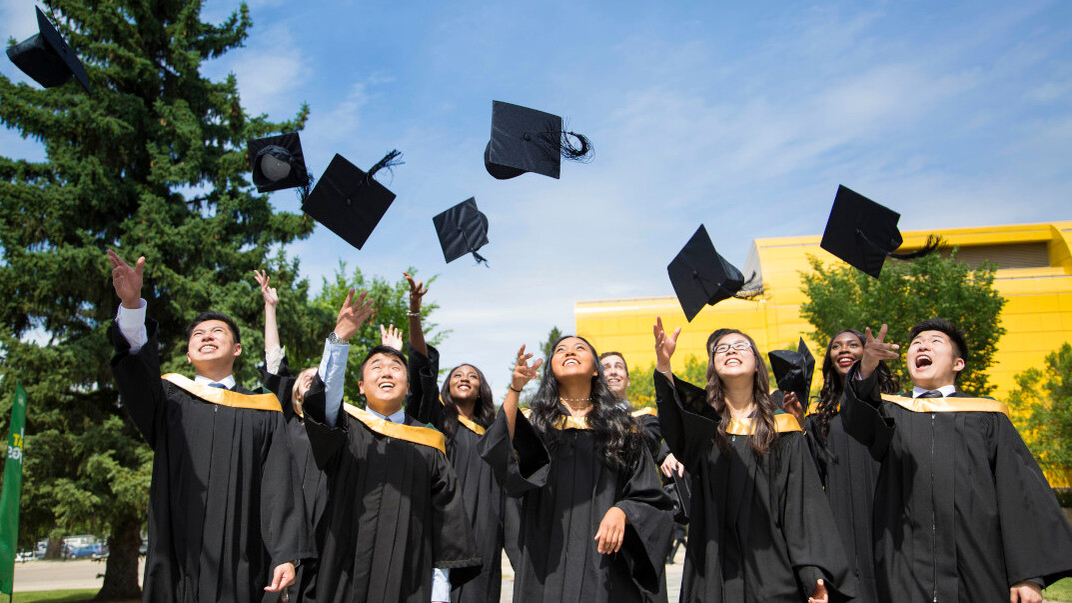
[(9, 500)]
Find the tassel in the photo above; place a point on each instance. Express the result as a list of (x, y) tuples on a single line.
[(481, 260), (581, 152), (752, 288), (933, 242), (389, 161)]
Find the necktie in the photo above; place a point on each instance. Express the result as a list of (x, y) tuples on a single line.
[(931, 394), (218, 385)]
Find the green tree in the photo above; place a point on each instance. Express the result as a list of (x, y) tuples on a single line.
[(1044, 397), (546, 347), (153, 163), (841, 297)]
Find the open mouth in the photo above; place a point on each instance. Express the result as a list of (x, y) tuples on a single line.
[(463, 387), (386, 386), (207, 348), (845, 361), (923, 361), (571, 362), (733, 362)]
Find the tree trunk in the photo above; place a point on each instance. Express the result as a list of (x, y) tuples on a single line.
[(121, 570), (54, 550)]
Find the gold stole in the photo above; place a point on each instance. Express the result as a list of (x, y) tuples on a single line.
[(948, 404), (783, 423), (424, 436), (224, 397)]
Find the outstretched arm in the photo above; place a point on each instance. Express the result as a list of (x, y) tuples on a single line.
[(272, 347), (523, 373), (416, 332)]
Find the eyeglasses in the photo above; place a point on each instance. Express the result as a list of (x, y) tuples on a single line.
[(740, 346)]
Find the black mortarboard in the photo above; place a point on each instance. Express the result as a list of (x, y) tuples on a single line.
[(863, 233), (527, 140), (348, 201), (277, 162), (793, 371), (462, 229), (701, 276), (47, 58)]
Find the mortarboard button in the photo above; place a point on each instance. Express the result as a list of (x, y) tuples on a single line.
[(527, 140), (793, 371), (863, 233), (462, 229), (349, 201), (47, 58), (277, 162), (701, 276)]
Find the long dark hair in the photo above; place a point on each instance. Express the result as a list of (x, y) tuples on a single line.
[(830, 394), (483, 409), (617, 434), (764, 433)]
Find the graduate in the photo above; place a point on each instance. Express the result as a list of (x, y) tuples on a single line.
[(290, 389), (760, 527), (845, 466), (394, 527), (463, 411), (962, 511), (226, 515), (595, 524)]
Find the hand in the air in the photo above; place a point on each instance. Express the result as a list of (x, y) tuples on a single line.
[(271, 298), (391, 337), (126, 280)]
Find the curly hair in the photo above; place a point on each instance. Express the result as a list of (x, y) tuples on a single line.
[(833, 386), (617, 433), (764, 434), (483, 409)]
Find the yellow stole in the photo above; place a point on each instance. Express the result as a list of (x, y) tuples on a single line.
[(472, 425), (782, 423), (948, 404), (418, 435), (225, 397), (563, 423), (645, 411)]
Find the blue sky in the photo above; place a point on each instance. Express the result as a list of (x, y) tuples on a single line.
[(741, 116)]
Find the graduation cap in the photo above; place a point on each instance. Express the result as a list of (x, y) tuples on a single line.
[(462, 229), (277, 163), (349, 201), (793, 371), (527, 140), (864, 233), (701, 276), (47, 58)]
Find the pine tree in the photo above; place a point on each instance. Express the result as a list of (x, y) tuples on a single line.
[(119, 170)]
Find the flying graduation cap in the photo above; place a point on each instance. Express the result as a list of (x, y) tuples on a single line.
[(277, 163), (701, 276), (864, 233), (351, 202), (527, 140), (462, 229), (47, 58), (793, 371)]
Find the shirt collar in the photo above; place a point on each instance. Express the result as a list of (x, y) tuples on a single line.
[(229, 381), (398, 417), (947, 390)]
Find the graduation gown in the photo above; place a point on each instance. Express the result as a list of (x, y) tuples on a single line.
[(309, 476), (848, 474), (962, 511), (563, 498), (224, 506), (394, 510), (760, 527), (482, 497)]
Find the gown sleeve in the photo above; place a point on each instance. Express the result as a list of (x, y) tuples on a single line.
[(519, 465), (811, 536), (138, 378), (280, 383), (285, 528), (653, 435), (422, 402), (1037, 538), (687, 433), (651, 523), (862, 415), (325, 442), (817, 447), (453, 543)]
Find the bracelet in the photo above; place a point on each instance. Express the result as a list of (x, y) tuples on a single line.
[(511, 388), (667, 373), (413, 314)]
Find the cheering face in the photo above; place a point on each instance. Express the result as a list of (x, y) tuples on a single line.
[(464, 383), (573, 358), (845, 350), (616, 374), (731, 362), (932, 360), (384, 380), (212, 343)]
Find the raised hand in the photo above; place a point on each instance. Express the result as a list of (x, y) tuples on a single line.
[(271, 298), (791, 404), (352, 315), (664, 345), (876, 350), (126, 280), (415, 292), (391, 337), (611, 531), (818, 595), (523, 373)]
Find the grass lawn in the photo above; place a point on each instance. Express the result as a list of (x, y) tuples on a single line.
[(1059, 591), (53, 596)]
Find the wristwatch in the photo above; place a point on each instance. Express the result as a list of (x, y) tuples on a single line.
[(334, 339)]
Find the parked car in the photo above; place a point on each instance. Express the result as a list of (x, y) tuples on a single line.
[(90, 551), (24, 556)]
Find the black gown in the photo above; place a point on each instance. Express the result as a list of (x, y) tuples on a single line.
[(563, 498), (394, 510), (962, 511), (313, 483), (848, 474), (760, 527), (224, 506), (481, 495)]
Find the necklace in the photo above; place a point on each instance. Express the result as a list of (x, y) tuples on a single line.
[(589, 399), (577, 408)]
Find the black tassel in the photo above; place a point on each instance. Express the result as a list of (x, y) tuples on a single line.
[(481, 260), (580, 152), (752, 289), (933, 242), (389, 161)]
